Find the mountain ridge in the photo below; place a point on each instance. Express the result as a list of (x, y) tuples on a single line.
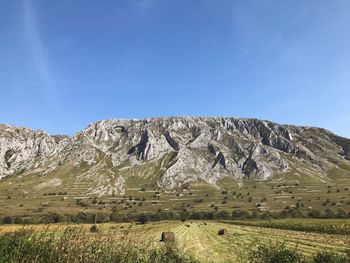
[(172, 164), (202, 148), (170, 117)]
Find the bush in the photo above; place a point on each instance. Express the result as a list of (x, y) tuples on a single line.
[(330, 257), (277, 253), (7, 220), (53, 218), (341, 213), (224, 214), (114, 217), (292, 212), (27, 220), (94, 229), (239, 214), (101, 218), (315, 214), (18, 220), (143, 218), (329, 213)]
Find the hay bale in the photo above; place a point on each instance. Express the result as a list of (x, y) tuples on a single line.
[(222, 232), (167, 237), (94, 229)]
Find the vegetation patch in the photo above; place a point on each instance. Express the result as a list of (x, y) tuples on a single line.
[(76, 245)]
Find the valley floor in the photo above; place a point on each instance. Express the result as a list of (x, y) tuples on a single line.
[(201, 239)]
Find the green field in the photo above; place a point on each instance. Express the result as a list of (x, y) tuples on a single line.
[(200, 238), (34, 195), (67, 191)]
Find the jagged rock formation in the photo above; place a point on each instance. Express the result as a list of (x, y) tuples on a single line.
[(171, 151)]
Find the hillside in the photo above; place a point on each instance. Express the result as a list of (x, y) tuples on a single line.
[(173, 163)]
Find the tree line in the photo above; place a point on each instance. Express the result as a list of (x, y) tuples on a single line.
[(100, 217)]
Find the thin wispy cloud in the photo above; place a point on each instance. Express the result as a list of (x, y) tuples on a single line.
[(32, 33), (142, 6), (10, 76), (144, 3)]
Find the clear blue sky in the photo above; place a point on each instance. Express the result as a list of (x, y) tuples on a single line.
[(67, 63)]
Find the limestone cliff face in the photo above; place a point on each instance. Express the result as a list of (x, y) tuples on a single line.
[(22, 149), (177, 150)]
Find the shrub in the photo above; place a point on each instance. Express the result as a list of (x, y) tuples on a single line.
[(330, 257), (143, 218), (291, 212), (102, 217), (239, 214), (315, 214), (114, 217), (277, 253), (329, 213), (27, 220), (341, 213), (18, 220), (7, 220), (94, 229), (53, 218), (224, 214)]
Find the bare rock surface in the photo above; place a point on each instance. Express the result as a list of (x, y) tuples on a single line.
[(176, 150)]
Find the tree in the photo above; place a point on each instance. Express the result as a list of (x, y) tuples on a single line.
[(18, 220), (224, 214), (341, 213), (7, 220), (100, 218), (239, 214), (143, 218), (113, 217), (329, 213), (315, 214)]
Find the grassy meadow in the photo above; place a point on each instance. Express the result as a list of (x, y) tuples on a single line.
[(199, 240), (26, 196), (62, 196)]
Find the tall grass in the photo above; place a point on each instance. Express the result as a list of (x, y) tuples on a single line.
[(75, 245), (275, 253), (317, 227), (280, 253)]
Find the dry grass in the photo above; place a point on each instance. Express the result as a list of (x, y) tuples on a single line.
[(201, 239)]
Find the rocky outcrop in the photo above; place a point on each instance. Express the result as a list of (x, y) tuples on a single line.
[(201, 149), (22, 149)]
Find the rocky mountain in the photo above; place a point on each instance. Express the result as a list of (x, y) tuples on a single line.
[(171, 152)]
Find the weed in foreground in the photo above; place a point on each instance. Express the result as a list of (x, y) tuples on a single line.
[(76, 245)]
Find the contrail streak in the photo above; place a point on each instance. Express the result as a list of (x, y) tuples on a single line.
[(36, 46), (22, 79)]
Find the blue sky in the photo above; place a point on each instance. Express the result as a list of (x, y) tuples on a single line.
[(67, 63)]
